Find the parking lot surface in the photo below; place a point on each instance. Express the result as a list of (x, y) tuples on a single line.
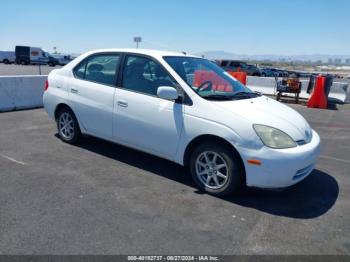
[(102, 198)]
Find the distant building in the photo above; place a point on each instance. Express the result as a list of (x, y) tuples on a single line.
[(347, 61), (330, 61), (337, 61)]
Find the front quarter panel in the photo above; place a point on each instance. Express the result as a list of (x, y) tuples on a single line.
[(206, 118)]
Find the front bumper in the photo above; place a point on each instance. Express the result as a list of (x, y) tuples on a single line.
[(280, 167)]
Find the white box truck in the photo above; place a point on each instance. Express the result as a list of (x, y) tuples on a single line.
[(26, 55), (7, 57)]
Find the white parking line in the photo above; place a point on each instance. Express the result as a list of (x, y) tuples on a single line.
[(335, 158), (13, 160)]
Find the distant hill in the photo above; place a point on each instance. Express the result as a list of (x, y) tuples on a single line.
[(233, 56)]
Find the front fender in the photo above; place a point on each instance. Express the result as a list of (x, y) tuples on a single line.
[(195, 127)]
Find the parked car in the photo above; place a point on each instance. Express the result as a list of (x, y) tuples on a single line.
[(235, 65), (7, 57), (268, 72), (280, 72), (185, 109), (62, 59)]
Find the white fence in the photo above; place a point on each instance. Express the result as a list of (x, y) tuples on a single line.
[(21, 92)]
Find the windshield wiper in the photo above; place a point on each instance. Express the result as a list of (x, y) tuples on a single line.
[(246, 94), (218, 97)]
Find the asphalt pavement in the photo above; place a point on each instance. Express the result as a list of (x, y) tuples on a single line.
[(101, 198)]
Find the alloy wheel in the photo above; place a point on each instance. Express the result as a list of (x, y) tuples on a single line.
[(211, 169), (66, 125)]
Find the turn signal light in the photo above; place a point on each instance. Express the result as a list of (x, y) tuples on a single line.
[(254, 162)]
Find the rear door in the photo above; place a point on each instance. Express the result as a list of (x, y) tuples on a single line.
[(92, 93)]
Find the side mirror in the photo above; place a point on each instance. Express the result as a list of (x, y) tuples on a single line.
[(167, 92)]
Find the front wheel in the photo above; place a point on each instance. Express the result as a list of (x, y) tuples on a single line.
[(216, 169), (67, 126)]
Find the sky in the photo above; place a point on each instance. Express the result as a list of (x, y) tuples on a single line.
[(281, 27)]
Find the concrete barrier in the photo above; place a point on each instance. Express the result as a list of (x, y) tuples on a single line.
[(267, 85), (21, 92)]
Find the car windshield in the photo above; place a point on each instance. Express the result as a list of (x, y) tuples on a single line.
[(208, 79)]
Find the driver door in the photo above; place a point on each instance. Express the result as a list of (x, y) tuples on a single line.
[(141, 119)]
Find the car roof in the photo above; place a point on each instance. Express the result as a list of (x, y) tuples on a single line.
[(150, 52)]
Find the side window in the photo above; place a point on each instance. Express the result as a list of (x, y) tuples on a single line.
[(224, 63), (102, 69), (235, 64), (244, 66), (79, 71), (143, 75), (98, 68)]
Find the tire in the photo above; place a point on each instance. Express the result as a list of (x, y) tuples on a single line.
[(6, 61), (51, 64), (23, 62), (69, 133), (231, 176), (278, 98)]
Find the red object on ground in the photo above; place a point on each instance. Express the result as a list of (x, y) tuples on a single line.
[(240, 76), (318, 97)]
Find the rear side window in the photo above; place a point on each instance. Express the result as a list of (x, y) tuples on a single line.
[(99, 68), (79, 71)]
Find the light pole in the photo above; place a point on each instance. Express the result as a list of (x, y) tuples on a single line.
[(137, 40)]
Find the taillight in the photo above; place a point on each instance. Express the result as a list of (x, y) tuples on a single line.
[(46, 86)]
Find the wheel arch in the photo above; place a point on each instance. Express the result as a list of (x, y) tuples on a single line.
[(210, 139), (59, 107)]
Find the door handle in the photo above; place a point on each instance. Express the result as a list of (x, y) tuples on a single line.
[(74, 91), (122, 103)]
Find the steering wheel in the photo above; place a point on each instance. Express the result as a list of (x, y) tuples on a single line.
[(207, 85)]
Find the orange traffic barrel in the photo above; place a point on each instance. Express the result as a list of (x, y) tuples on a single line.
[(318, 98), (240, 76)]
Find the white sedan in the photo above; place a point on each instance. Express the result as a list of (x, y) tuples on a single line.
[(185, 109)]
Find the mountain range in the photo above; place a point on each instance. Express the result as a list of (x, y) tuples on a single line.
[(233, 56)]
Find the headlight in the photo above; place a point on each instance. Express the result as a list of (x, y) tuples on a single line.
[(273, 137)]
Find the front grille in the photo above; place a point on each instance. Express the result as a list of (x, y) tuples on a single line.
[(303, 172)]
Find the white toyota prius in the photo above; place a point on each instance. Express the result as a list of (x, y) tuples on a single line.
[(185, 109)]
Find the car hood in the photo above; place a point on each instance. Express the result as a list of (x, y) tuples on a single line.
[(265, 111)]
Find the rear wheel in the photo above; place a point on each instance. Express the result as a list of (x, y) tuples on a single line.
[(67, 126), (6, 61), (216, 169)]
